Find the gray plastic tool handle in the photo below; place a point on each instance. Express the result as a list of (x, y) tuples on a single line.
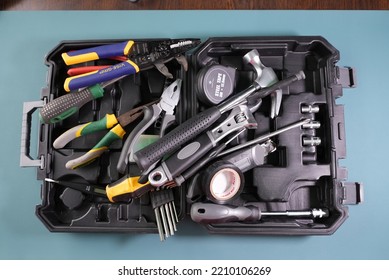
[(149, 116), (25, 158), (210, 213), (176, 138), (249, 158)]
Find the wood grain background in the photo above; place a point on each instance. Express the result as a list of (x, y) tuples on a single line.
[(194, 5)]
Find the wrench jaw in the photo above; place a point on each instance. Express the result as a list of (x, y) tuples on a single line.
[(239, 118)]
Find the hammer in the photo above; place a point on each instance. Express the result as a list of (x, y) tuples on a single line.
[(150, 155)]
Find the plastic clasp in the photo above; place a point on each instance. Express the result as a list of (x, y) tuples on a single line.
[(346, 76), (352, 193)]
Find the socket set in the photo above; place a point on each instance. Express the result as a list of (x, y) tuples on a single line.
[(241, 135)]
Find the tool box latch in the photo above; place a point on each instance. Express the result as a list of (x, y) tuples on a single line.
[(346, 77), (352, 193)]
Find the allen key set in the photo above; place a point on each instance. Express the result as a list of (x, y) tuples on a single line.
[(240, 134)]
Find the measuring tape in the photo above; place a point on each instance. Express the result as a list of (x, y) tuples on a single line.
[(214, 83), (223, 182)]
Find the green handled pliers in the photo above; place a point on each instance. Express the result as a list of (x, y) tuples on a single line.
[(110, 121)]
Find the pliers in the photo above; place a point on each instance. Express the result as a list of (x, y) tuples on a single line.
[(130, 187), (109, 121), (140, 55), (169, 100)]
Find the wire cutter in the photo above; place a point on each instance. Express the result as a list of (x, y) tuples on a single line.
[(169, 100), (129, 187), (140, 55), (117, 131)]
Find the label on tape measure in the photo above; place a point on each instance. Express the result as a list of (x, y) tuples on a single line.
[(216, 83)]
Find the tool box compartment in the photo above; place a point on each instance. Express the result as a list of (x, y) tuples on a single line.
[(297, 175), (302, 173), (65, 209)]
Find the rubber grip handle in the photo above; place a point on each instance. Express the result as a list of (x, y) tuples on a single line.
[(129, 144), (118, 70), (107, 122), (67, 105), (126, 188), (186, 157), (114, 134), (176, 138), (209, 213), (90, 54)]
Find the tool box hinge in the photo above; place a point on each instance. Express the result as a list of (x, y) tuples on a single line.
[(346, 77), (352, 193)]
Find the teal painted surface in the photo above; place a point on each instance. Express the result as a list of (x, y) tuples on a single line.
[(362, 39)]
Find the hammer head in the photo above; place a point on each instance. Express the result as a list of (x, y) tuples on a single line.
[(265, 76), (254, 60)]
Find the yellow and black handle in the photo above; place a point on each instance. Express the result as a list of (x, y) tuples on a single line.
[(126, 188)]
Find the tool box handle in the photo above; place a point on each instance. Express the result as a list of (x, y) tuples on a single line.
[(25, 158)]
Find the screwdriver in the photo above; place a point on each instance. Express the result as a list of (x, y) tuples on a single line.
[(84, 188), (68, 104), (210, 213), (126, 189), (265, 137)]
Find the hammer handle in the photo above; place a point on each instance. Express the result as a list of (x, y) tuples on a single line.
[(176, 138)]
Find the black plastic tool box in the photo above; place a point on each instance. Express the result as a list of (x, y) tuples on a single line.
[(294, 177)]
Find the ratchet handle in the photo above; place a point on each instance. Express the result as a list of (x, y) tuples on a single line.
[(67, 105), (176, 138), (209, 213), (90, 54)]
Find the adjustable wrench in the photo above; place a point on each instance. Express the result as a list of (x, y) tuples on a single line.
[(239, 118)]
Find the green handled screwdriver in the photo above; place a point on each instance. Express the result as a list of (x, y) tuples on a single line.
[(68, 104)]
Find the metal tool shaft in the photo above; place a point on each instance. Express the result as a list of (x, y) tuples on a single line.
[(265, 137), (210, 213)]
